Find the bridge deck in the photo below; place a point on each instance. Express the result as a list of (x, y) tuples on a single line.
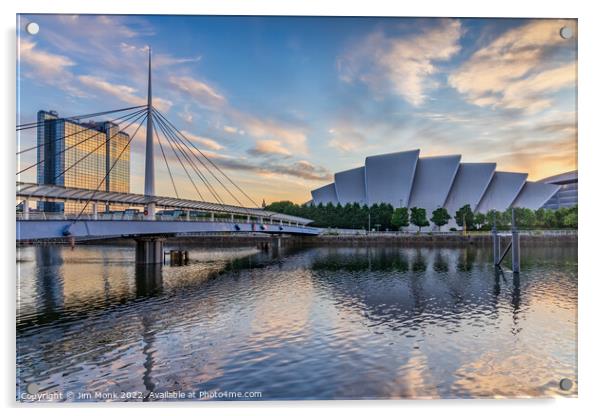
[(51, 229), (55, 193)]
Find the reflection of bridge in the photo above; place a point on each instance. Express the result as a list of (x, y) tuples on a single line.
[(160, 217)]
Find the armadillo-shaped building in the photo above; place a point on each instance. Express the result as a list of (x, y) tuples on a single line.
[(405, 179)]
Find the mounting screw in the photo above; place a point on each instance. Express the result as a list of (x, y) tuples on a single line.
[(32, 28), (565, 384), (33, 388), (566, 32)]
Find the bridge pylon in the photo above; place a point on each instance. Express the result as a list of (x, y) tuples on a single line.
[(149, 163)]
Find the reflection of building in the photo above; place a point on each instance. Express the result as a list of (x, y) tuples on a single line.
[(63, 143), (404, 179), (567, 195)]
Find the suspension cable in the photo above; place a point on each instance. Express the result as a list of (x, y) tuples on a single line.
[(164, 158), (77, 132), (205, 181), (112, 166), (36, 123), (138, 113), (180, 160), (100, 145), (209, 170), (209, 160)]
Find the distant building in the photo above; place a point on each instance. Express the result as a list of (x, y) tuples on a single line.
[(404, 179), (566, 196), (65, 143)]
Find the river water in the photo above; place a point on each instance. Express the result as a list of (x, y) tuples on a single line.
[(312, 323)]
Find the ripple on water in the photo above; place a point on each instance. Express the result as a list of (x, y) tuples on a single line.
[(311, 324)]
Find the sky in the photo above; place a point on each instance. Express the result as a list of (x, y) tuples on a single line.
[(282, 103)]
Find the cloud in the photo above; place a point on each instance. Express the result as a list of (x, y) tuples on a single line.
[(206, 142), (300, 169), (122, 92), (186, 114), (404, 64), (230, 129), (520, 69), (50, 68), (267, 129), (346, 139), (269, 147), (45, 64), (201, 92)]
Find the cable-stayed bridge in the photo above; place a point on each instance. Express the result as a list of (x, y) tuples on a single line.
[(149, 218)]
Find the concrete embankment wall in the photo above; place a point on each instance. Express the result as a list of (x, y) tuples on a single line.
[(435, 239)]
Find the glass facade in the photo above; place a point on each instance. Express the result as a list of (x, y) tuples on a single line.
[(80, 155), (567, 195)]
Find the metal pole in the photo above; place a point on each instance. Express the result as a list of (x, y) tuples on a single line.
[(149, 165), (496, 245), (515, 246), (26, 209)]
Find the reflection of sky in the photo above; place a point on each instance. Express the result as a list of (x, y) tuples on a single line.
[(380, 323), (292, 100)]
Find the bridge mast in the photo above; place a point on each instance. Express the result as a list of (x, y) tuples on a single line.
[(149, 166)]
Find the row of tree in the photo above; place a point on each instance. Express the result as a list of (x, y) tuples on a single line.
[(385, 217)]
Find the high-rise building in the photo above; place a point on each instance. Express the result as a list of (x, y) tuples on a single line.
[(81, 155)]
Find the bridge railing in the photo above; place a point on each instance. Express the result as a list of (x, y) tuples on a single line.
[(125, 216)]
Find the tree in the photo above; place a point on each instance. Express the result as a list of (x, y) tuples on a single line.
[(524, 217), (440, 217), (418, 217), (400, 218), (570, 220), (479, 219), (465, 217)]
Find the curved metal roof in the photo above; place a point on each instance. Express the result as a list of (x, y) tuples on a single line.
[(60, 193)]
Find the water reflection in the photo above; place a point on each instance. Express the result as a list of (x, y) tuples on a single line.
[(149, 279), (296, 323)]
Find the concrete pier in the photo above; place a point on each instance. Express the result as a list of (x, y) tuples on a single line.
[(149, 250)]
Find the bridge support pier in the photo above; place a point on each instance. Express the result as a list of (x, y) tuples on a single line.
[(26, 209), (149, 250), (276, 242)]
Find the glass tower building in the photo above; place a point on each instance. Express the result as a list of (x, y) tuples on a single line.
[(81, 155)]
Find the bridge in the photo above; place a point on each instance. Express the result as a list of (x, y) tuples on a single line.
[(148, 218)]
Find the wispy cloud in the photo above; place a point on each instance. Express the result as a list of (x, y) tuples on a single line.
[(346, 139), (520, 69), (404, 64), (292, 137), (299, 169), (204, 141), (269, 147), (122, 92), (230, 129), (47, 67), (201, 92)]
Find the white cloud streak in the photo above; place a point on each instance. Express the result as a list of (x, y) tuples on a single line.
[(516, 70), (403, 64)]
